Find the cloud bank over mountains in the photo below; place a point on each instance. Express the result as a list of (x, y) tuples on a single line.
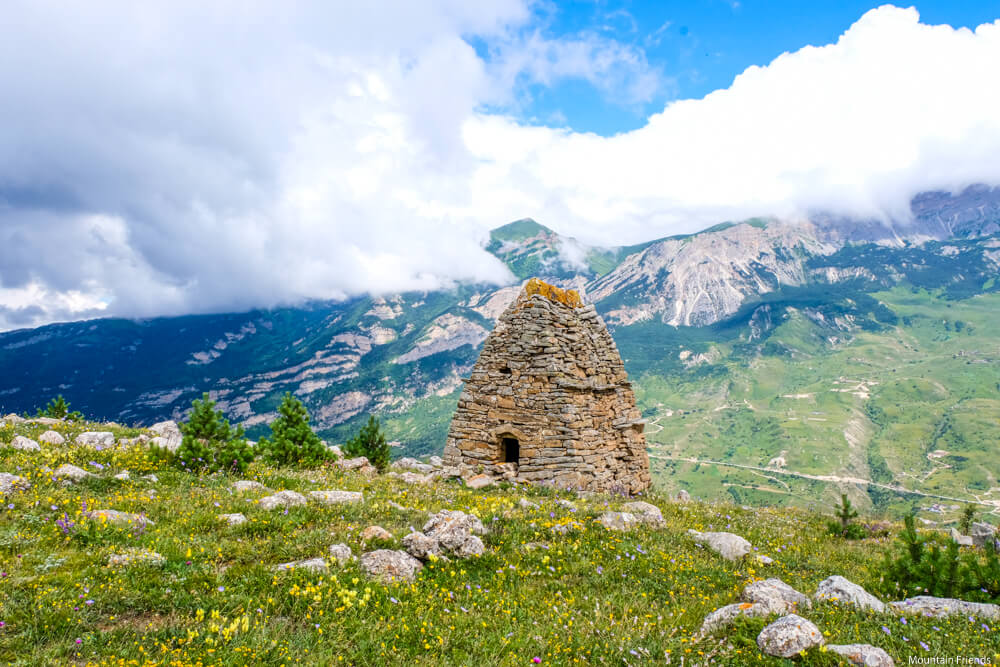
[(182, 157)]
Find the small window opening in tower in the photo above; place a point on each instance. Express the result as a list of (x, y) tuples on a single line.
[(511, 450)]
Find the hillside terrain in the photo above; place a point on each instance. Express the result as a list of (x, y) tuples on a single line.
[(824, 351), (108, 556)]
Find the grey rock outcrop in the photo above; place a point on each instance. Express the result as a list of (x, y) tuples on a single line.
[(727, 545), (841, 590), (341, 553), (24, 444), (864, 655), (963, 540), (359, 463), (168, 435), (480, 481), (244, 485), (375, 533), (282, 499), (683, 496), (390, 566), (724, 616), (788, 636), (421, 546), (926, 605), (51, 438), (981, 533), (456, 532)]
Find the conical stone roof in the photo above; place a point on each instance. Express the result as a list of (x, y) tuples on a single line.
[(549, 400)]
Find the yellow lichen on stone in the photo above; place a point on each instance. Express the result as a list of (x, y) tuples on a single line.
[(569, 297)]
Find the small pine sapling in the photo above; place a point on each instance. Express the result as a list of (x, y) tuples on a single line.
[(845, 513), (292, 441), (58, 408), (968, 515), (370, 442), (210, 443)]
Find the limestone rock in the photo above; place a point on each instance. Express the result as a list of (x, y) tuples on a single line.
[(408, 463), (864, 655), (335, 497), (360, 463), (789, 635), (724, 616), (420, 546), (683, 496), (24, 444), (317, 565), (963, 540), (10, 483), (151, 478), (336, 451), (981, 533), (454, 529), (436, 461), (479, 481), (341, 553), (388, 565), (45, 421), (136, 557), (764, 560), (52, 438), (117, 518), (412, 477), (14, 419), (926, 605), (777, 596), (168, 435), (123, 476), (646, 513), (244, 485), (96, 439), (233, 519), (727, 545), (472, 546), (526, 504), (70, 473), (282, 499), (844, 591), (551, 366), (375, 533), (618, 521), (568, 504)]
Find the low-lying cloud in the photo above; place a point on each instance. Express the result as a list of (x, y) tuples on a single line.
[(198, 158)]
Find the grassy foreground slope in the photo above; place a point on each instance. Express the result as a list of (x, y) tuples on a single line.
[(588, 596), (911, 401)]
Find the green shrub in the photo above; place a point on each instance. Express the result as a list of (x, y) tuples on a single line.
[(968, 515), (843, 527), (210, 443), (370, 442), (292, 442), (58, 408)]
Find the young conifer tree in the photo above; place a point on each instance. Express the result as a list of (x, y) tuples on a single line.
[(370, 442), (292, 441), (210, 443)]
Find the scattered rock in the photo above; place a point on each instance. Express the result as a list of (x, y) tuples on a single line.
[(359, 463), (646, 513), (562, 502), (473, 546), (14, 419), (926, 605), (335, 497), (123, 476), (420, 546), (480, 481), (396, 506), (71, 473), (727, 545), (724, 616), (864, 655), (52, 438), (337, 452), (233, 519), (764, 560), (151, 478), (436, 461), (788, 636), (244, 485), (981, 533), (524, 503), (341, 553), (24, 444), (282, 499), (168, 435), (375, 533), (564, 528), (407, 463), (618, 521), (963, 540), (776, 595), (10, 483), (96, 439), (388, 565), (455, 531), (412, 477), (844, 591), (45, 421), (136, 557), (117, 518), (683, 496), (309, 565)]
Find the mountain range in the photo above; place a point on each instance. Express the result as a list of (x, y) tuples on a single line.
[(776, 361)]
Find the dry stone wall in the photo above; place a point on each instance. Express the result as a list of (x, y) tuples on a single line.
[(549, 400)]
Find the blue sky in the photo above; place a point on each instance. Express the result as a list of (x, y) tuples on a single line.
[(700, 46), (326, 148)]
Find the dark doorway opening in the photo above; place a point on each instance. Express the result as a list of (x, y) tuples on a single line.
[(510, 450)]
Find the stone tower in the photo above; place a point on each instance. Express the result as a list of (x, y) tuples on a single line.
[(549, 401)]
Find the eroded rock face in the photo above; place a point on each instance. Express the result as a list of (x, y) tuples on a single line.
[(389, 566), (727, 545), (776, 595), (926, 605), (844, 591), (864, 655), (282, 499), (788, 636), (550, 366)]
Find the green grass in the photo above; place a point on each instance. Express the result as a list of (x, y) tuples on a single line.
[(587, 597)]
